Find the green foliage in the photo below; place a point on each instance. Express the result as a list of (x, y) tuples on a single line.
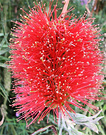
[(10, 10)]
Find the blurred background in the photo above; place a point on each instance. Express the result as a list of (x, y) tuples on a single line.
[(10, 11)]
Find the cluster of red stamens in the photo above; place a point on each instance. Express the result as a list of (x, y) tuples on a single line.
[(56, 63)]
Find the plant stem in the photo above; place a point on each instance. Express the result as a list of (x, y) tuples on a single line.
[(64, 11)]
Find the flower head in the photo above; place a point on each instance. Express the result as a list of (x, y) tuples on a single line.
[(56, 63)]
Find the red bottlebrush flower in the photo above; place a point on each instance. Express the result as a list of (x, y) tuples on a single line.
[(56, 63)]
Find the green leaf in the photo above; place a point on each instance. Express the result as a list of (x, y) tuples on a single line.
[(3, 90), (4, 58), (4, 51), (3, 65), (1, 34), (104, 107), (92, 126), (43, 129), (90, 122)]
